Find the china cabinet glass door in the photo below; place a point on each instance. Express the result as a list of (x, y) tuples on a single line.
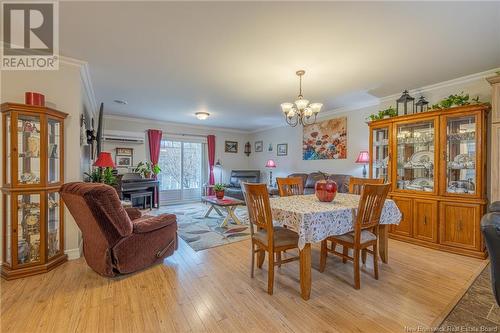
[(380, 153), (28, 149), (28, 228), (415, 149), (54, 224), (53, 152), (460, 155)]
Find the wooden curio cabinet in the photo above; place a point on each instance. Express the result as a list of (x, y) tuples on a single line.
[(436, 162), (33, 165)]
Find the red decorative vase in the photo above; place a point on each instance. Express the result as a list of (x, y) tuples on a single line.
[(325, 190), (33, 98), (219, 194)]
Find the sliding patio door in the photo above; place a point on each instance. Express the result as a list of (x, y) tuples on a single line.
[(183, 166)]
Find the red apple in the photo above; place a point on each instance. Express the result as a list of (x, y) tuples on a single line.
[(325, 190)]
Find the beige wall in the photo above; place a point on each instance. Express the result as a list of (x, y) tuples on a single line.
[(230, 161), (62, 90), (357, 136)]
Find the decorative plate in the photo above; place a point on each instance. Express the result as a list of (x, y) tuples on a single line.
[(423, 182), (422, 158)]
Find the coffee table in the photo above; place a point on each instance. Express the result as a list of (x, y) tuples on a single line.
[(227, 203)]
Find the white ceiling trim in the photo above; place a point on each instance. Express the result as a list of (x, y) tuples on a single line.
[(393, 97)]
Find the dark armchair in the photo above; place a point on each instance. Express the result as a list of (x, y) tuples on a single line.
[(490, 227), (117, 240), (241, 176)]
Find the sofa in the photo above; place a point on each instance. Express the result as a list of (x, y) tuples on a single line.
[(490, 228), (310, 180), (233, 189), (117, 240)]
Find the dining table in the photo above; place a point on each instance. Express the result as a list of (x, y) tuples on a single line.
[(315, 221)]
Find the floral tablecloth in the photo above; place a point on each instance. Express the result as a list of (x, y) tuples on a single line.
[(314, 220)]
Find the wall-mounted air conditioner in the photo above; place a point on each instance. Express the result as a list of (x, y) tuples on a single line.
[(123, 137)]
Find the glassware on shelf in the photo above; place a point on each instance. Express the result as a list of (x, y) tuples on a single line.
[(28, 146), (380, 151), (28, 231), (53, 151), (415, 156), (461, 155), (53, 224)]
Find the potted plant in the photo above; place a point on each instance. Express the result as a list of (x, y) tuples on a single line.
[(105, 176), (219, 190), (146, 169), (383, 114)]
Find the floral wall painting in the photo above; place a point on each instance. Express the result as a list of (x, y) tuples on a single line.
[(259, 145), (325, 140)]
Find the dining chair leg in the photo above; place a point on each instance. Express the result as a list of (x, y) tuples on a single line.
[(333, 245), (270, 273), (278, 258), (324, 254), (345, 252), (253, 261), (261, 255), (363, 256), (375, 260), (356, 269)]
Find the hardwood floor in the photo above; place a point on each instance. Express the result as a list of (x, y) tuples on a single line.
[(211, 290)]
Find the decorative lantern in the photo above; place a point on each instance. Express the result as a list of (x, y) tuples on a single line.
[(421, 105), (248, 148), (405, 103)]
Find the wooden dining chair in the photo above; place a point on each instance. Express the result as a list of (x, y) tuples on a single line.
[(266, 237), (290, 186), (365, 232), (356, 184), (355, 187)]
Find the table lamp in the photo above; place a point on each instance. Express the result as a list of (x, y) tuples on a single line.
[(104, 160), (270, 164), (363, 158)]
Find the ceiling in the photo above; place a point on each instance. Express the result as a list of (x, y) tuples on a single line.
[(237, 60)]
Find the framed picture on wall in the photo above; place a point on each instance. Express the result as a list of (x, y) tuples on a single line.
[(124, 151), (231, 146), (282, 149), (259, 146), (123, 161)]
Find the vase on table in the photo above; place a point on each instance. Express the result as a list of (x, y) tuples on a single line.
[(219, 194), (325, 190)]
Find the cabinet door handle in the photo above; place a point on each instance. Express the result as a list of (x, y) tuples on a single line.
[(425, 220)]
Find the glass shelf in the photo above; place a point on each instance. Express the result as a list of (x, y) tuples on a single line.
[(380, 150), (28, 234)]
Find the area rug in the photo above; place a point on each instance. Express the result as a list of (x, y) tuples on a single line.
[(477, 311), (201, 232)]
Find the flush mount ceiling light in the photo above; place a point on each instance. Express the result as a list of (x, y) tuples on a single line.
[(202, 115), (300, 112), (120, 101)]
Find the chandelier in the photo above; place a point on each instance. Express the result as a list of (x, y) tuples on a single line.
[(300, 112)]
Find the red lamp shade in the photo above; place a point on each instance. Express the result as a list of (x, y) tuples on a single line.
[(363, 157), (104, 161), (270, 164)]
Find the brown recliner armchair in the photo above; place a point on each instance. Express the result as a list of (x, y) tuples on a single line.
[(117, 240)]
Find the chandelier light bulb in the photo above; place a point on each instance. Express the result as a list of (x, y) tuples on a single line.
[(286, 107), (301, 103)]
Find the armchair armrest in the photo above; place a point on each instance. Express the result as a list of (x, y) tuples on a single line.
[(149, 223), (495, 207), (133, 213)]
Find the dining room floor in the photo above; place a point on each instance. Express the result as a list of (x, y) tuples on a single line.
[(211, 290)]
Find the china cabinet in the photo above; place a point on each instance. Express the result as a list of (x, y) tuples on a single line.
[(32, 214), (436, 162)]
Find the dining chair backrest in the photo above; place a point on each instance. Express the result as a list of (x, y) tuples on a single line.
[(259, 207), (356, 184), (370, 207), (290, 186)]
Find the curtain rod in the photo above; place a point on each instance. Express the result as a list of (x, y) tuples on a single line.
[(184, 134)]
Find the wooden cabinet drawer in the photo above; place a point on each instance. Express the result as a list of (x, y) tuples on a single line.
[(459, 225), (405, 226), (425, 220)]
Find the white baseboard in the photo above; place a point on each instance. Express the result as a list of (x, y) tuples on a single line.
[(73, 253)]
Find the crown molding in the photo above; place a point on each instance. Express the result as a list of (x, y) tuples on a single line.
[(188, 126)]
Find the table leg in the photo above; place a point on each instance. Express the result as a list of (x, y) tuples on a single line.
[(383, 242), (230, 212), (218, 211), (226, 221), (305, 272), (209, 211)]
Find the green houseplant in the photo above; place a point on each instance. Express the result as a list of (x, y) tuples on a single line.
[(146, 169), (455, 100), (99, 175), (382, 114), (219, 190)]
